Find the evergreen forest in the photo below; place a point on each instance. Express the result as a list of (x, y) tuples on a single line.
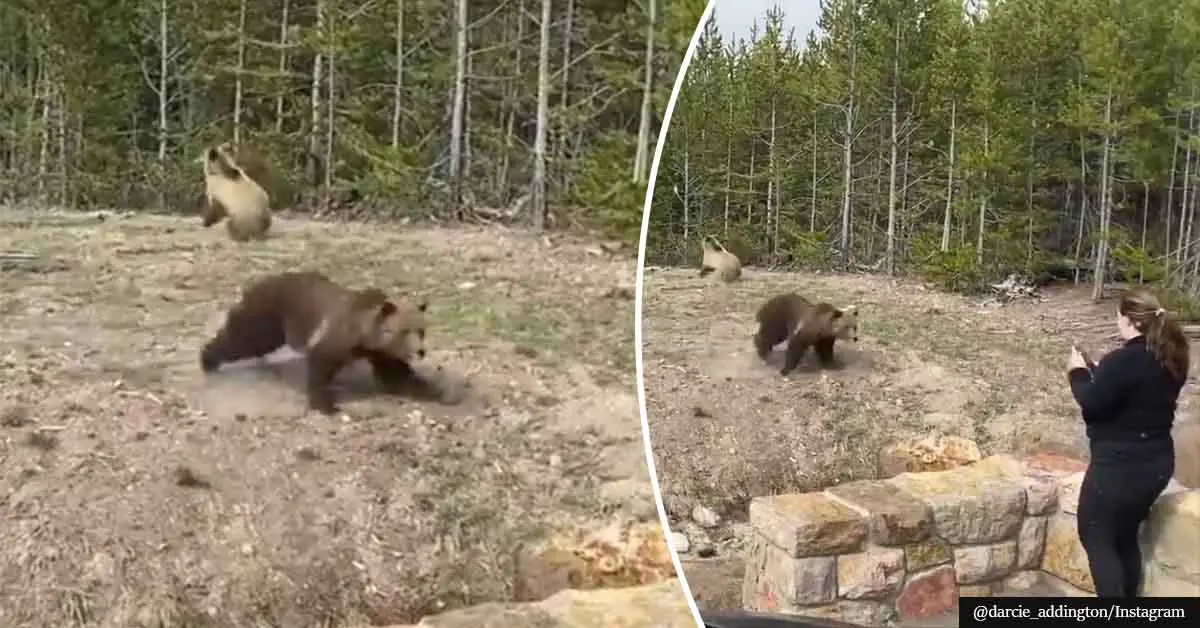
[(956, 141), (534, 111)]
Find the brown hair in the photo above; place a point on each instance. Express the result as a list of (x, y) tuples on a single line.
[(1164, 336)]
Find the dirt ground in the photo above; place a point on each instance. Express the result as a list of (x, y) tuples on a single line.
[(137, 492), (726, 427)]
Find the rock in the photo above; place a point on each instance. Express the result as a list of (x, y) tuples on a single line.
[(1187, 453), (661, 604), (715, 583), (1171, 540), (893, 517), (984, 563), (809, 524), (927, 454), (1055, 464), (969, 505), (617, 555), (926, 554), (1068, 493), (705, 517), (872, 574), (1041, 492), (929, 594), (680, 542), (1157, 581), (776, 581), (1031, 541), (974, 590), (1023, 580), (1063, 556), (857, 612)]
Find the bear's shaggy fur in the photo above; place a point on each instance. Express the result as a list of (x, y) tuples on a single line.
[(233, 194), (717, 259), (332, 325), (803, 324)]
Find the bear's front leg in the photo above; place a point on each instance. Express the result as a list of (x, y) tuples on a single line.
[(398, 377), (824, 348), (392, 374)]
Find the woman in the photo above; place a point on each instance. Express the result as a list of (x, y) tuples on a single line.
[(1128, 403)]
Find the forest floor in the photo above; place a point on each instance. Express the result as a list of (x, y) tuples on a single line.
[(138, 492), (726, 427)]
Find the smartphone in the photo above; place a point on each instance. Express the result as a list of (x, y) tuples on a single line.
[(1087, 359)]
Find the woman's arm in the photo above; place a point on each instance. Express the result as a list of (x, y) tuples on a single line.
[(1100, 392)]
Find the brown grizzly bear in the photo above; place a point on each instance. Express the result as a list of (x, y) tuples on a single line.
[(332, 325), (803, 324)]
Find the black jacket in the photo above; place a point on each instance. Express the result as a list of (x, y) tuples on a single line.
[(1128, 396)]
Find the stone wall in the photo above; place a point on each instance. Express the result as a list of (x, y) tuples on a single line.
[(908, 547)]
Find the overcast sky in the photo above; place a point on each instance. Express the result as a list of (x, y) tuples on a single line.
[(735, 17)]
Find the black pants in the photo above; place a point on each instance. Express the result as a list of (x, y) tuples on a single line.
[(1122, 482)]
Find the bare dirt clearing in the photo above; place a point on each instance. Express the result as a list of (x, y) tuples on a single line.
[(136, 493), (725, 427)]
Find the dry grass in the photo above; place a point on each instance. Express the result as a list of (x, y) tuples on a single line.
[(725, 427), (138, 493)]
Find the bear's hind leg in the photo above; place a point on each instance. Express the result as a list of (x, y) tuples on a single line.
[(242, 337), (763, 343), (321, 371), (796, 349)]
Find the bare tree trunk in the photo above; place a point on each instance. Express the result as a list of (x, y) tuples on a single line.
[(1083, 205), (983, 198), (1185, 229), (687, 190), (773, 182), (641, 161), (949, 180), (241, 68), (284, 24), (163, 55), (512, 91), (331, 108), (1145, 227), (750, 209), (565, 100), (44, 146), (890, 256), (398, 86), (728, 158), (314, 132), (1168, 204), (812, 214), (538, 204), (459, 109), (1029, 182), (1105, 203), (848, 154), (61, 130)]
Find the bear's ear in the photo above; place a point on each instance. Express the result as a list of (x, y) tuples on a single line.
[(387, 308), (852, 310)]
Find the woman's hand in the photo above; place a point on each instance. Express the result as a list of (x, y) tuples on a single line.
[(1076, 361)]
